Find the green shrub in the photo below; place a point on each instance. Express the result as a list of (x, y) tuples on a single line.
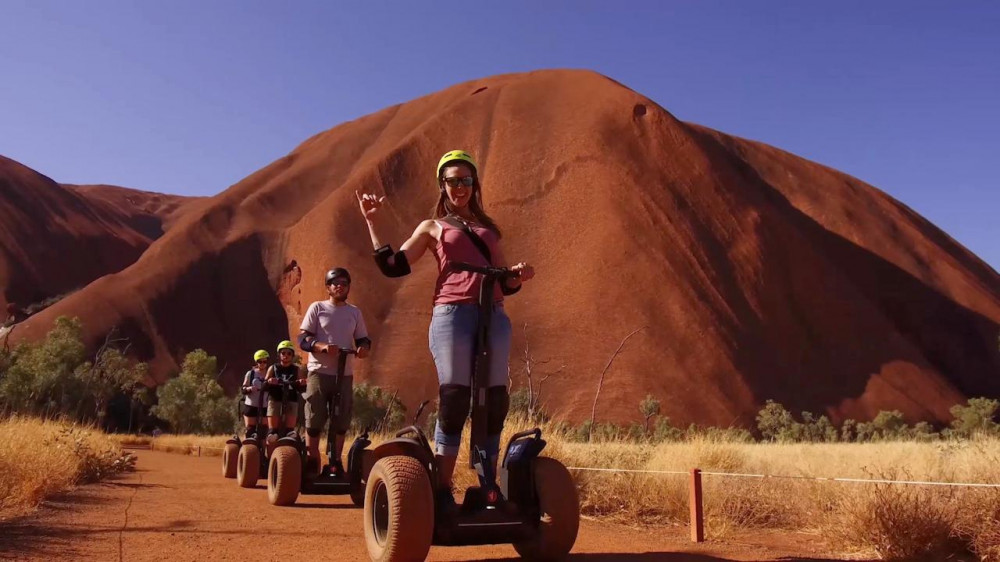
[(193, 402)]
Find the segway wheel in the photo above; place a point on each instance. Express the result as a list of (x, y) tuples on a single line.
[(358, 494), (248, 467), (284, 476), (560, 508), (229, 460), (399, 510)]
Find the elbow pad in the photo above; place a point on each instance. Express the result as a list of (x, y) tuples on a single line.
[(399, 266), (363, 342), (306, 342)]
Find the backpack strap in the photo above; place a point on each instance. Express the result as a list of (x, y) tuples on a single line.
[(484, 249), (479, 243)]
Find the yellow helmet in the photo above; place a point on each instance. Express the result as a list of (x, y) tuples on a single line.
[(260, 354), (286, 345), (453, 155)]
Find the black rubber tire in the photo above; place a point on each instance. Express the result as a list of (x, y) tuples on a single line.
[(399, 495), (248, 466), (358, 494), (284, 476), (229, 454), (560, 512)]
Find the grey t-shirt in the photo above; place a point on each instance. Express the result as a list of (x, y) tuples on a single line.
[(335, 325), (254, 378)]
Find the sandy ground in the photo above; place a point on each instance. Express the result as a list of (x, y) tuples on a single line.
[(180, 508)]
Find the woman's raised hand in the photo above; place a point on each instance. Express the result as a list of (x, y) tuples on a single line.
[(524, 271), (370, 204)]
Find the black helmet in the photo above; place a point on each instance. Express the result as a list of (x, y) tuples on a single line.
[(337, 272)]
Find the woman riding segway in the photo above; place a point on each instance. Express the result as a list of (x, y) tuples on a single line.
[(459, 231), (409, 503), (253, 384)]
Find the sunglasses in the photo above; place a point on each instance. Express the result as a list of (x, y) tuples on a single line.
[(339, 282), (285, 352), (262, 362), (467, 181)]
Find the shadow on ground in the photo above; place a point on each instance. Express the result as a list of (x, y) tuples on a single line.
[(664, 557), (32, 534)]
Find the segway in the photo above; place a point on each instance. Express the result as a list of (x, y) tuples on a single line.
[(535, 506), (251, 463), (231, 451), (291, 473)]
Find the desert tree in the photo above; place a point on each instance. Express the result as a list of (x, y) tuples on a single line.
[(649, 407)]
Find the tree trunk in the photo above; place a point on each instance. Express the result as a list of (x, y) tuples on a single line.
[(600, 383)]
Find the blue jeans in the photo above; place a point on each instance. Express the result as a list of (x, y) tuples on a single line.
[(452, 337)]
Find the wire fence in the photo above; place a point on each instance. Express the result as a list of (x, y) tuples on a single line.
[(789, 477), (197, 450), (696, 497)]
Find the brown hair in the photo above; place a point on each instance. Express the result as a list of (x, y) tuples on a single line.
[(443, 208)]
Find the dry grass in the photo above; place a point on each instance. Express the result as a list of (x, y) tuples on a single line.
[(898, 522), (40, 458), (979, 523), (887, 521)]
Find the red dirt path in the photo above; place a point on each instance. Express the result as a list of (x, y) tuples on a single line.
[(180, 508)]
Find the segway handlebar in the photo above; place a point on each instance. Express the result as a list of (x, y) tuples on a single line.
[(290, 385), (342, 351), (490, 271)]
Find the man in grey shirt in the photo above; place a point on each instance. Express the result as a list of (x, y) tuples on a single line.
[(327, 327)]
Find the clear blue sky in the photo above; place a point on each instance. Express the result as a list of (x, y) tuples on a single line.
[(190, 97)]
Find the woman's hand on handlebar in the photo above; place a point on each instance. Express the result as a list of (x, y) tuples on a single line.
[(320, 347), (362, 352), (369, 204), (524, 271)]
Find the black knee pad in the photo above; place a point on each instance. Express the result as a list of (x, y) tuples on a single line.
[(499, 403), (313, 432), (454, 407)]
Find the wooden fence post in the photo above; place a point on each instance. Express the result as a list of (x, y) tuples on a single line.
[(697, 511)]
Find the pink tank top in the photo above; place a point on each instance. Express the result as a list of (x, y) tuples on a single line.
[(454, 287)]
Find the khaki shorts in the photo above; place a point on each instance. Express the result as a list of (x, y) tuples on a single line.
[(319, 395), (274, 408)]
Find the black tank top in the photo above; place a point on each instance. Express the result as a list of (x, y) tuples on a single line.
[(284, 374)]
